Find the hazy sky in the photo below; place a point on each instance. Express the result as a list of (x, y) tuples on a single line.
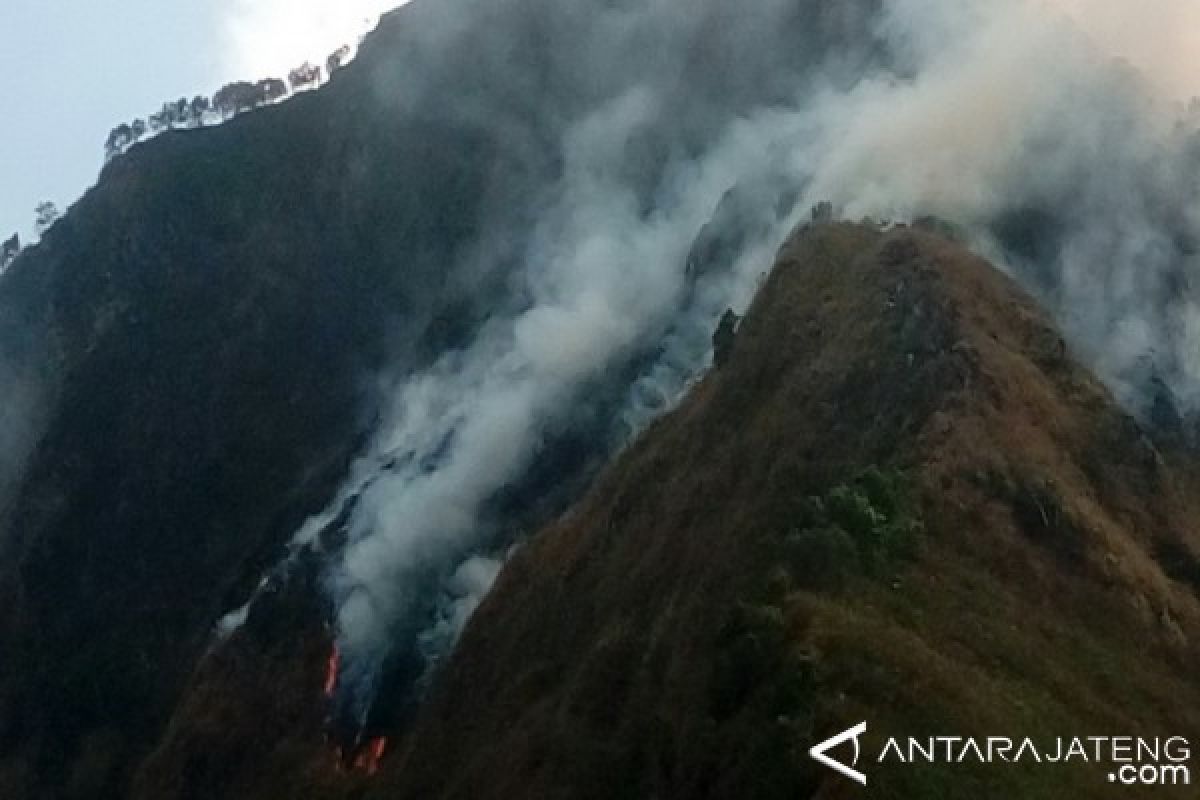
[(72, 69)]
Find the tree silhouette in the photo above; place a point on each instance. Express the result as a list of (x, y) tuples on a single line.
[(304, 75), (199, 107), (47, 215), (182, 112), (230, 100), (271, 89), (239, 96), (159, 120), (336, 59), (165, 119), (9, 250), (119, 139)]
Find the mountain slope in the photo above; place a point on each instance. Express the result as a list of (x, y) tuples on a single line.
[(207, 341), (204, 327), (674, 636), (506, 233)]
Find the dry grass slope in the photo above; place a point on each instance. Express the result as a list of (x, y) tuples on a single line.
[(670, 637)]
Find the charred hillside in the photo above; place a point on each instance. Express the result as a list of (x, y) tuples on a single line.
[(693, 625)]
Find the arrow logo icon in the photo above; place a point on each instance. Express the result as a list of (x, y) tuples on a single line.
[(818, 752)]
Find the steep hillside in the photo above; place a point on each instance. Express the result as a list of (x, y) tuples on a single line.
[(205, 329), (693, 626), (211, 345), (898, 499)]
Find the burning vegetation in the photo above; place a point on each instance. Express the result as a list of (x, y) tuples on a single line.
[(369, 755), (352, 753), (331, 671)]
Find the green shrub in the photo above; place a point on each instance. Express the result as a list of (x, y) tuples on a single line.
[(866, 525), (755, 657), (749, 645)]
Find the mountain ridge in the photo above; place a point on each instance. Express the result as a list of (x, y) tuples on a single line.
[(898, 495), (515, 716), (692, 625)]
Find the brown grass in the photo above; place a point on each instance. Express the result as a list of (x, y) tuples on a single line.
[(1037, 605)]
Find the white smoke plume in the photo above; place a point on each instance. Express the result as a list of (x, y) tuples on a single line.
[(664, 146), (1071, 112), (601, 279)]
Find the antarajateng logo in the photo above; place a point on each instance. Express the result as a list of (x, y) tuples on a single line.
[(1129, 760)]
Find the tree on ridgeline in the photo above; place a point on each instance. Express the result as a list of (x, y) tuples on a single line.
[(180, 113), (240, 96), (336, 59), (304, 76), (234, 98), (159, 120), (199, 107), (271, 89), (119, 140), (229, 101), (165, 119), (9, 251), (47, 215)]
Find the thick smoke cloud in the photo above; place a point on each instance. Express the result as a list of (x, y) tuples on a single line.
[(619, 145), (650, 157), (1160, 39), (1061, 159)]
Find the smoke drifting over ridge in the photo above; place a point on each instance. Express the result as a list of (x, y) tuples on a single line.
[(651, 155), (1070, 167)]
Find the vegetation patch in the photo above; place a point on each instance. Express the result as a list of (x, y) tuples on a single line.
[(864, 526), (763, 695), (764, 686), (755, 656)]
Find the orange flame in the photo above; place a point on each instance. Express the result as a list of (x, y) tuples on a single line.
[(369, 756), (331, 672)]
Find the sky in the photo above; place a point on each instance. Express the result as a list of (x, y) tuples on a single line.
[(70, 70)]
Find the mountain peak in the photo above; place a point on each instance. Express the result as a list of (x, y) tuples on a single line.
[(671, 636)]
